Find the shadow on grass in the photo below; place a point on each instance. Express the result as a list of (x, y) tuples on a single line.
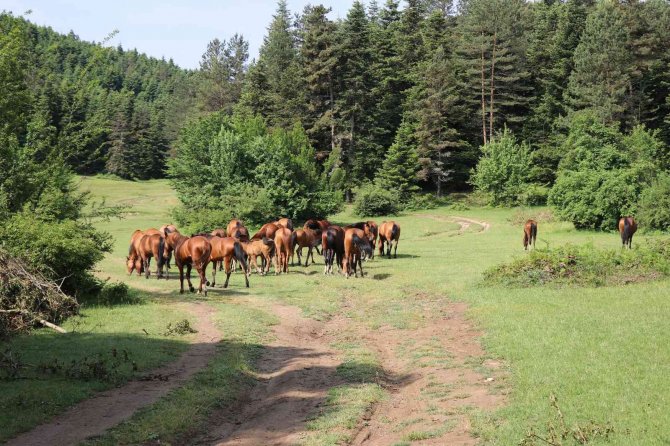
[(382, 276)]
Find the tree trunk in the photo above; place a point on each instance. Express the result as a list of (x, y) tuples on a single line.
[(491, 100), (483, 94)]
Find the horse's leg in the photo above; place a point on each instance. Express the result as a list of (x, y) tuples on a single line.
[(181, 278), (299, 251), (227, 267), (309, 252), (245, 270), (145, 265), (395, 250), (213, 274), (381, 246), (360, 265), (202, 272), (189, 266)]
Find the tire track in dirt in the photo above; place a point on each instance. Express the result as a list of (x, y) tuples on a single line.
[(441, 358), (106, 409), (296, 371)]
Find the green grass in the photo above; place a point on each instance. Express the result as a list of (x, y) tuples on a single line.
[(603, 351)]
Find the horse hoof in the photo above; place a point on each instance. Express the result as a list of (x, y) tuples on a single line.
[(207, 283), (191, 289), (181, 291)]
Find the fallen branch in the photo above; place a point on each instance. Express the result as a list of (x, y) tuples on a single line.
[(52, 326)]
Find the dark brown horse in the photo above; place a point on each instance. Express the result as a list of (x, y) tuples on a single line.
[(225, 249), (370, 228), (284, 248), (374, 233), (152, 246), (306, 238), (389, 232), (267, 230), (332, 245), (356, 245), (189, 252), (318, 226), (529, 234), (627, 228), (264, 248)]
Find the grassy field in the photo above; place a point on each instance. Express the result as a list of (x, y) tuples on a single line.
[(603, 352)]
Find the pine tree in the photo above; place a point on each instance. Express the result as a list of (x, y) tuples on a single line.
[(399, 171), (222, 68), (601, 79)]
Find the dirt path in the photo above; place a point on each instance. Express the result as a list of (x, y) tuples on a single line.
[(107, 409), (448, 376), (296, 372), (464, 222)]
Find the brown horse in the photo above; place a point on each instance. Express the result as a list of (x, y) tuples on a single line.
[(152, 246), (189, 252), (283, 248), (317, 226), (219, 232), (389, 232), (170, 227), (627, 228), (370, 228), (356, 244), (529, 234), (225, 249), (284, 222), (306, 238), (264, 248), (133, 260), (374, 233), (234, 224), (267, 230), (332, 244)]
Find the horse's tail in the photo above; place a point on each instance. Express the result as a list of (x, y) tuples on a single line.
[(289, 224), (362, 244), (161, 253), (293, 240), (533, 231), (394, 232), (626, 230), (240, 255), (270, 244)]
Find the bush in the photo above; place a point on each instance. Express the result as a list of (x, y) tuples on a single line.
[(534, 195), (65, 251), (116, 293), (424, 201), (654, 208), (585, 265), (373, 200), (503, 170)]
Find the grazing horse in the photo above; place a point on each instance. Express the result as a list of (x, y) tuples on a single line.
[(219, 232), (133, 260), (370, 233), (267, 230), (284, 222), (306, 238), (234, 224), (627, 228), (332, 244), (317, 226), (374, 233), (356, 244), (224, 250), (283, 248), (529, 234), (189, 252), (264, 248), (152, 246), (389, 232)]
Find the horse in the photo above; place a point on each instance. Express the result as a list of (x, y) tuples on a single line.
[(189, 251), (284, 248), (133, 260), (152, 246), (627, 228), (234, 224), (219, 232), (332, 244), (529, 234), (264, 248), (389, 232), (267, 230), (306, 238), (318, 226), (285, 222), (356, 244), (225, 249), (370, 228), (170, 227)]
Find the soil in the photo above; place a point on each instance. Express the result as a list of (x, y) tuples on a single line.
[(107, 409)]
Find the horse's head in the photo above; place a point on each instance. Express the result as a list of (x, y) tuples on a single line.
[(130, 264)]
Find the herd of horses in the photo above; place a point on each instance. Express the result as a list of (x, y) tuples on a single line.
[(627, 228), (275, 242)]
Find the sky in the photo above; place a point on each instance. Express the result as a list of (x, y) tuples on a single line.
[(163, 28)]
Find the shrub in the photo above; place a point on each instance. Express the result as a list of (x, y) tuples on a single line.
[(534, 195), (585, 265), (116, 293), (424, 201), (65, 251), (373, 200), (654, 207), (503, 170)]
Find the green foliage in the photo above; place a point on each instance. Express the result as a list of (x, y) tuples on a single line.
[(504, 170), (115, 293), (64, 251), (585, 266), (401, 165), (534, 195), (603, 172), (373, 200), (654, 206), (237, 167)]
